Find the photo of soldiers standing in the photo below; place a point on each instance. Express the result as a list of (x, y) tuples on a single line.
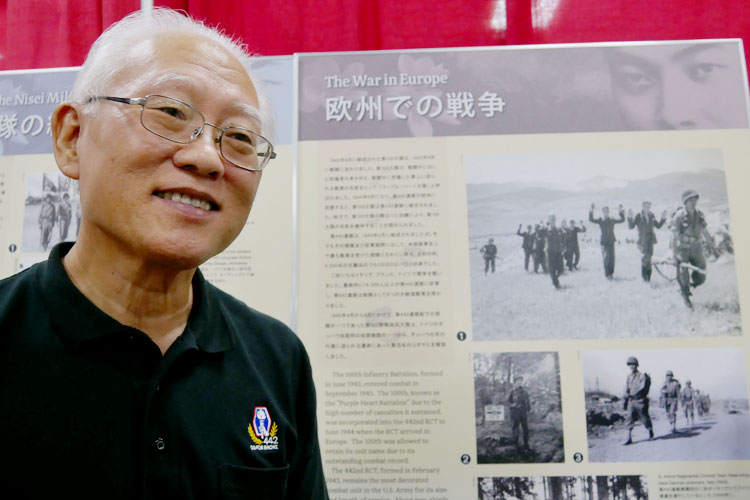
[(540, 240), (47, 220), (689, 230), (670, 397), (572, 249), (607, 241), (637, 386), (65, 212), (519, 406), (527, 245), (489, 253), (645, 221), (688, 403), (555, 247)]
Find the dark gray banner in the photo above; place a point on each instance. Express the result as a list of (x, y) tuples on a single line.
[(535, 89)]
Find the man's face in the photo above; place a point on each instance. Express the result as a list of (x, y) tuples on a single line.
[(633, 367), (125, 170), (691, 203), (605, 211), (677, 86), (646, 207)]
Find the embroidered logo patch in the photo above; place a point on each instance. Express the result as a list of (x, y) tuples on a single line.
[(263, 430)]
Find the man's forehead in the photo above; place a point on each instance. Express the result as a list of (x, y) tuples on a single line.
[(179, 82)]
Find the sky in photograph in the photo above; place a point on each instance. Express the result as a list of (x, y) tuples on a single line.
[(720, 372), (546, 168)]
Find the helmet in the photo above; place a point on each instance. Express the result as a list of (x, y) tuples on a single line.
[(669, 373), (491, 240), (632, 361), (690, 193)]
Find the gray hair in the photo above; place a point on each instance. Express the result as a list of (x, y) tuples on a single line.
[(111, 53)]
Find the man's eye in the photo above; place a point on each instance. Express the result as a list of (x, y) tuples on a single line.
[(241, 137), (701, 72), (173, 112), (633, 81)]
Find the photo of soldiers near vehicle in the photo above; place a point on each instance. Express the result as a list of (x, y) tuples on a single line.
[(657, 262), (518, 412), (657, 405), (563, 488)]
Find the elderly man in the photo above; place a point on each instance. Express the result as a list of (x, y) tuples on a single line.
[(124, 373)]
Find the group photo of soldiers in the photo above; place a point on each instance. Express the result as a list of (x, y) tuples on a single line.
[(52, 211), (610, 252), (669, 404), (518, 408), (563, 488)]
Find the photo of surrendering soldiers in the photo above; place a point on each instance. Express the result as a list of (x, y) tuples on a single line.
[(646, 221), (689, 230), (688, 403), (555, 247), (47, 220), (608, 240), (489, 253), (540, 241), (572, 249), (519, 407), (635, 399), (670, 397), (527, 245)]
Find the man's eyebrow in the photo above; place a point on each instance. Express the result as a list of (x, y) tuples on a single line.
[(173, 78), (698, 47), (251, 112)]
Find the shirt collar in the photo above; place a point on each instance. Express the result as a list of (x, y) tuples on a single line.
[(78, 320)]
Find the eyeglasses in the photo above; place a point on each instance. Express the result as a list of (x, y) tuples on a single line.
[(179, 122)]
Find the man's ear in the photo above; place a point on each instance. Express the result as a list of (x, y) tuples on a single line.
[(66, 129)]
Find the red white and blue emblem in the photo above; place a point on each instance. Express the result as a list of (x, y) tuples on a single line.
[(261, 422), (263, 430)]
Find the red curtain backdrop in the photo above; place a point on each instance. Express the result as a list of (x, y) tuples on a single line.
[(48, 33)]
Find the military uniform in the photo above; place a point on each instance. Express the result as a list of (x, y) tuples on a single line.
[(47, 220), (489, 252), (519, 405), (555, 246), (687, 241), (527, 245), (688, 402), (646, 238), (607, 241), (572, 249), (540, 256), (635, 399), (670, 397)]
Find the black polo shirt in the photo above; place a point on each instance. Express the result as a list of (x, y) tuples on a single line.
[(90, 408)]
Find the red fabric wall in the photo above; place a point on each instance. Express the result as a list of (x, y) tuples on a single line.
[(50, 33)]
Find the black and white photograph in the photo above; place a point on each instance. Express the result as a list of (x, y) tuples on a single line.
[(666, 405), (605, 244), (563, 488), (518, 410), (52, 211)]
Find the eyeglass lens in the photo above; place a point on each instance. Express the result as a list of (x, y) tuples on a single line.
[(179, 122)]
